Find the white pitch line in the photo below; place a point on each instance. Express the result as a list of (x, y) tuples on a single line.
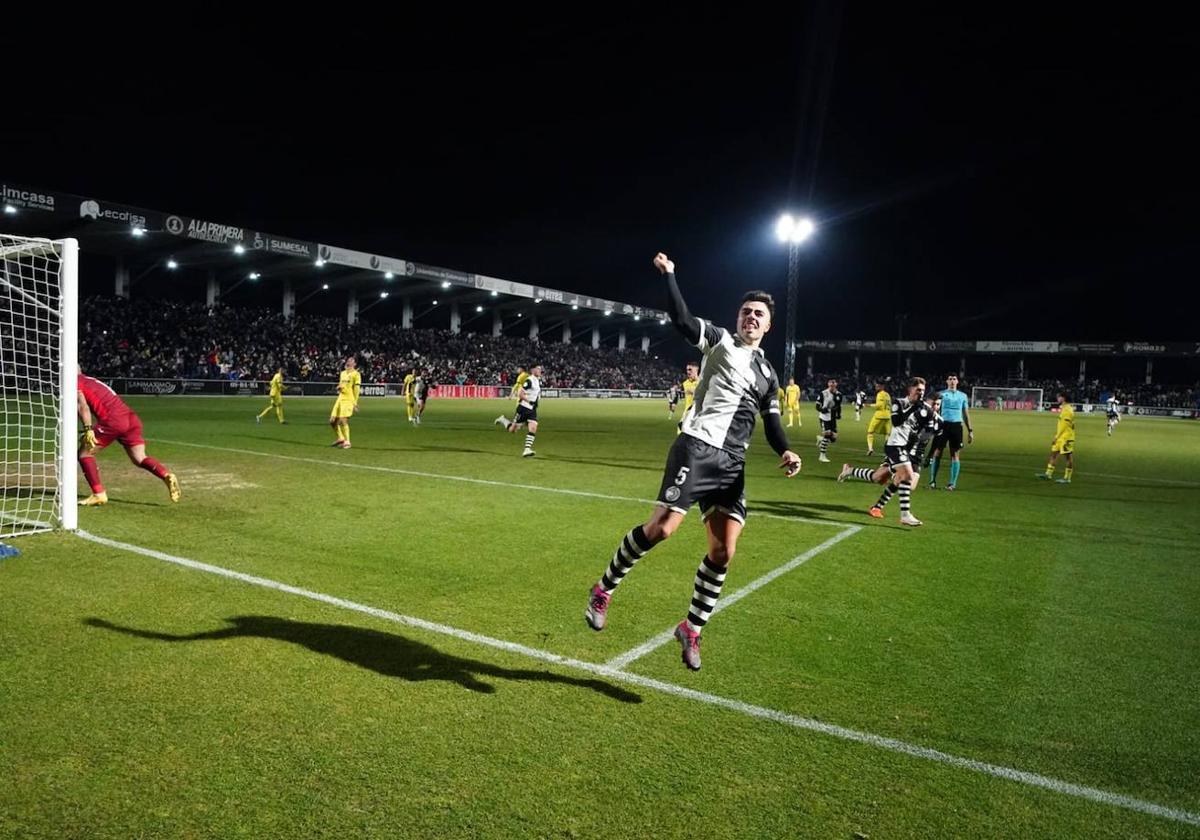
[(484, 481), (655, 642), (1104, 797)]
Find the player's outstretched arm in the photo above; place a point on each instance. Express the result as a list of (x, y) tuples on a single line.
[(685, 322)]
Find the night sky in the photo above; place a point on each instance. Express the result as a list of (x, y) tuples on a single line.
[(991, 174)]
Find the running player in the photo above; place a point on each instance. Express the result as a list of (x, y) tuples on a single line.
[(1112, 407), (527, 407), (706, 464), (420, 394), (859, 399), (105, 417)]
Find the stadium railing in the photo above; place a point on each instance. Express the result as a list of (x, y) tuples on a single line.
[(254, 387)]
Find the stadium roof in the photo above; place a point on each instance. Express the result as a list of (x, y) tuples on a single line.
[(154, 236)]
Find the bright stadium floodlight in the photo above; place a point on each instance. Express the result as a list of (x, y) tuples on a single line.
[(435, 303), (383, 295), (388, 276), (537, 300), (10, 210), (325, 287), (793, 230), (574, 305), (171, 264), (495, 293), (239, 249), (637, 317), (478, 308), (319, 263), (445, 284), (607, 312), (254, 275), (137, 231)]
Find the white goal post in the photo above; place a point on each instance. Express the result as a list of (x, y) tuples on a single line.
[(1007, 399), (38, 369)]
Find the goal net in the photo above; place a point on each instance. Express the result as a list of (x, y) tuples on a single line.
[(1007, 399), (37, 384)]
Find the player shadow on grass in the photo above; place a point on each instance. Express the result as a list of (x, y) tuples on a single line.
[(388, 654), (816, 510)]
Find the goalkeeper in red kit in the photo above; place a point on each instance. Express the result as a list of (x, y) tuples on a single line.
[(105, 418)]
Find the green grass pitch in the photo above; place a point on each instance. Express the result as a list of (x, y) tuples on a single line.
[(1050, 629)]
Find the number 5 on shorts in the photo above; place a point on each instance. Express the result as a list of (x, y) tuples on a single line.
[(682, 477)]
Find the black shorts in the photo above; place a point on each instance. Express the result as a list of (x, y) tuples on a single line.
[(524, 415), (951, 433), (829, 425), (698, 473), (894, 456)]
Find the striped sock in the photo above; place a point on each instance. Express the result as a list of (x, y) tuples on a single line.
[(529, 442), (824, 445), (905, 497), (709, 579), (886, 497), (863, 474), (633, 548)]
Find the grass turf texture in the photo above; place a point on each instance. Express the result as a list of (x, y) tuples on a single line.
[(1049, 628)]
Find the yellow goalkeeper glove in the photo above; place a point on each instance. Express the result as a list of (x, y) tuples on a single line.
[(89, 437)]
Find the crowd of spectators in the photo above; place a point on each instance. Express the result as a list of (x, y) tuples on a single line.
[(169, 339)]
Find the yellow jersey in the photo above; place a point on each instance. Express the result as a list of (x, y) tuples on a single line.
[(277, 385), (883, 406), (793, 396), (1066, 423), (689, 393), (349, 384), (409, 394)]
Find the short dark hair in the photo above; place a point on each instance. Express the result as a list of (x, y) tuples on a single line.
[(1063, 394), (915, 381), (759, 296)]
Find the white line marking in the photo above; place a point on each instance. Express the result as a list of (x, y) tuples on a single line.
[(891, 744), (655, 642), (484, 481)]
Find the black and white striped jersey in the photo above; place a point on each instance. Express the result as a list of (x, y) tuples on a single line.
[(909, 420), (736, 384), (533, 392), (859, 399), (829, 405)]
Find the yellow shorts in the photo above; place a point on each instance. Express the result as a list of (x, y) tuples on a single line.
[(342, 407), (879, 425), (1064, 445), (795, 407), (276, 399)]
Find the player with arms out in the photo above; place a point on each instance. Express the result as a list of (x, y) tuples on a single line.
[(1064, 440), (706, 464), (954, 416), (829, 411), (104, 418), (792, 396), (276, 398), (346, 404)]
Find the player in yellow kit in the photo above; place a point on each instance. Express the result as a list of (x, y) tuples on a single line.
[(689, 391), (346, 404), (792, 401), (1064, 440), (410, 396), (522, 378), (276, 398), (881, 422)]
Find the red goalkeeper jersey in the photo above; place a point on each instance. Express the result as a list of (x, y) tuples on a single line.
[(106, 406)]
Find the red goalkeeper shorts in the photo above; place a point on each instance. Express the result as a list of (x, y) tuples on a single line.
[(127, 428)]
